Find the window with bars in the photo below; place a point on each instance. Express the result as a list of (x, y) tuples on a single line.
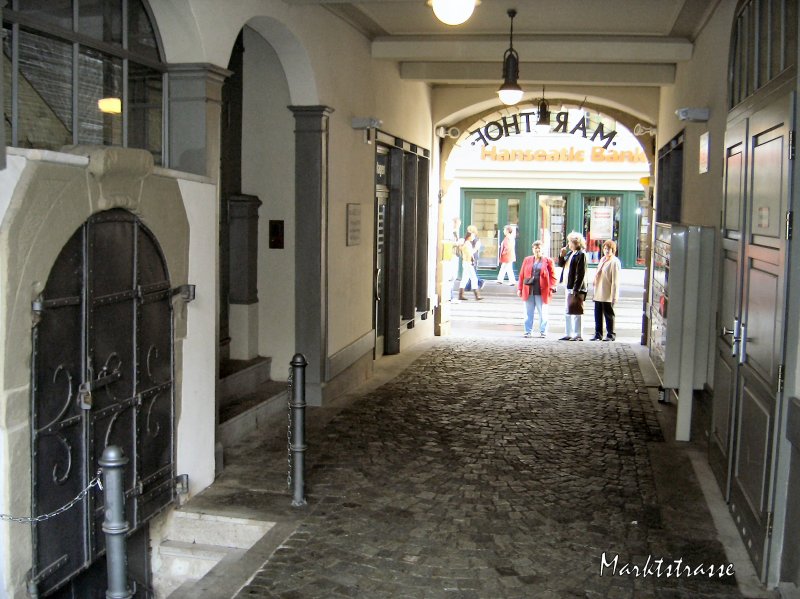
[(763, 45), (62, 57)]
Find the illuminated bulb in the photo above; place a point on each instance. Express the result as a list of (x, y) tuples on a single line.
[(110, 105), (453, 12)]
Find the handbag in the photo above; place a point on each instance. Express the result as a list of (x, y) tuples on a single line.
[(528, 281), (575, 303)]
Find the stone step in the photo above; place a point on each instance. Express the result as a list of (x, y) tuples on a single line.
[(181, 561), (192, 543), (250, 413), (240, 377), (210, 529)]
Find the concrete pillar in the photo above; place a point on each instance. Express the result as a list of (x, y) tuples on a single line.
[(311, 243), (195, 100), (243, 288)]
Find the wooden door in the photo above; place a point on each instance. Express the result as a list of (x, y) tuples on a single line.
[(750, 344)]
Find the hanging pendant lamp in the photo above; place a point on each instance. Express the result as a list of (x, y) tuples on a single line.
[(510, 92), (543, 109), (453, 12)]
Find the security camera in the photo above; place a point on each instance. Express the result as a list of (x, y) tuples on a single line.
[(451, 132), (693, 115)]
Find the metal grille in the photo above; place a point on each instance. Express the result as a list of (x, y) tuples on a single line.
[(102, 374)]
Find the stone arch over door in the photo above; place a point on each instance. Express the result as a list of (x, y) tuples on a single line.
[(53, 197)]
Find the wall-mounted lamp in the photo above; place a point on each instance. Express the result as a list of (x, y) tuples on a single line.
[(110, 105), (510, 92), (453, 12), (693, 115)]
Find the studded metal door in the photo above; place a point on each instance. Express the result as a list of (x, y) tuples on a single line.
[(102, 375)]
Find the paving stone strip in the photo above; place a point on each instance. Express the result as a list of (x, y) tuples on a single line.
[(487, 470)]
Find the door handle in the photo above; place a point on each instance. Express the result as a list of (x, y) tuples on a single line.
[(743, 348), (378, 285), (726, 331)]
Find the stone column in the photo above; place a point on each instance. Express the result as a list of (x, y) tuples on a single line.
[(195, 98), (243, 292), (311, 243)]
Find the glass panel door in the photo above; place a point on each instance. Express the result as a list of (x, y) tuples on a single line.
[(642, 230), (552, 223), (600, 223), (484, 216)]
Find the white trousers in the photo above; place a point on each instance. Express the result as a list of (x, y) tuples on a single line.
[(506, 268), (468, 274), (573, 322)]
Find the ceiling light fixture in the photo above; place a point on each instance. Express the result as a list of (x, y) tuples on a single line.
[(510, 92), (453, 12)]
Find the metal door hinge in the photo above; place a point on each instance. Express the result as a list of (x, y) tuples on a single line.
[(791, 144), (769, 523), (789, 224), (780, 378)]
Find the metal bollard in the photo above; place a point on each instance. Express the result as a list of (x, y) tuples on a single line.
[(114, 525), (298, 445)]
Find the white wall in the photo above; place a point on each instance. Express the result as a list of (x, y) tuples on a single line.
[(268, 172), (196, 411), (701, 82)]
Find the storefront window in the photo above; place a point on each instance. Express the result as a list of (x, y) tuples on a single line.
[(601, 216), (642, 231), (484, 217), (552, 223)]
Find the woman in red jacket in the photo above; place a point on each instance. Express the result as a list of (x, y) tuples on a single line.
[(535, 285)]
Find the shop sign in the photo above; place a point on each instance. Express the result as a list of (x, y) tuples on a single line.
[(601, 222), (571, 154), (511, 125)]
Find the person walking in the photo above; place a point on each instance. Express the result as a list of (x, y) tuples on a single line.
[(606, 292), (508, 256), (573, 259), (536, 283), (468, 268)]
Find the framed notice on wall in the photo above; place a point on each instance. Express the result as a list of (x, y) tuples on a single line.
[(353, 224), (703, 154), (601, 222)]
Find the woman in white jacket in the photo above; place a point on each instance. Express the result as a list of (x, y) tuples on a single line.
[(606, 292)]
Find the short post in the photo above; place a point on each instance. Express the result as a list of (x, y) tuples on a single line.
[(298, 420), (115, 526)]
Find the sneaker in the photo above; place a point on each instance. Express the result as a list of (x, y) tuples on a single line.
[(565, 338), (542, 335), (576, 338), (499, 282), (610, 338), (527, 335), (596, 338)]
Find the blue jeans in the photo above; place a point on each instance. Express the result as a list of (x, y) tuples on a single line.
[(535, 304)]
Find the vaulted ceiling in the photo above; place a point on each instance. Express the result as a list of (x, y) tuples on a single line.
[(579, 42)]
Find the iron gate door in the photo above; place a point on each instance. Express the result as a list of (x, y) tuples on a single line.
[(748, 379), (102, 375)]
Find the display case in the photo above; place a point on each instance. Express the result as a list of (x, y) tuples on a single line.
[(680, 310)]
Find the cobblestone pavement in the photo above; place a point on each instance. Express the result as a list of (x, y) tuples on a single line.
[(493, 469)]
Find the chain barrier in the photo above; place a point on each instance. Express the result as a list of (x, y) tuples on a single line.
[(95, 482), (289, 386)]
